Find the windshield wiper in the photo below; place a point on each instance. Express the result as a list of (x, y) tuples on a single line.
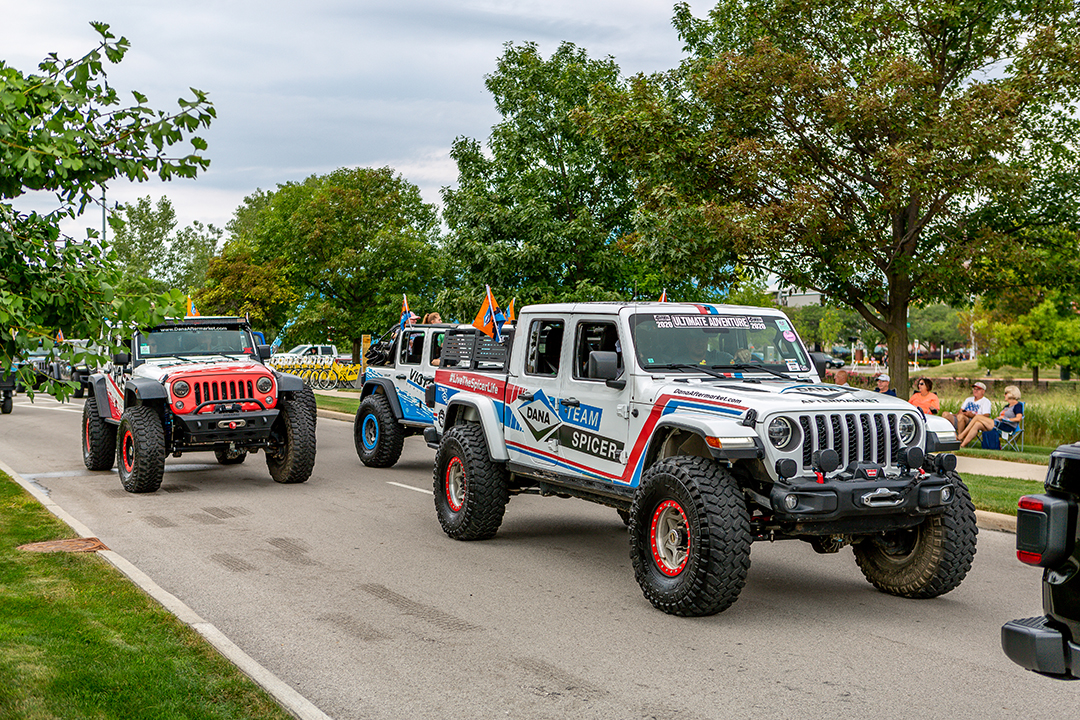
[(696, 368), (749, 366)]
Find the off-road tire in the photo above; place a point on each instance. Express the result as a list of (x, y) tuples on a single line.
[(228, 457), (98, 440), (925, 561), (376, 433), (140, 449), (471, 489), (294, 428), (7, 403), (708, 509)]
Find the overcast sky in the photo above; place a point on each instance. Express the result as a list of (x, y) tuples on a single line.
[(308, 87)]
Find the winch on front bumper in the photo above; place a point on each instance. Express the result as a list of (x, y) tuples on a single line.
[(221, 427), (861, 498)]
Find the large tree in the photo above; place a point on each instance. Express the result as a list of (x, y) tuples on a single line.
[(150, 247), (542, 213), (66, 130), (877, 152), (350, 243)]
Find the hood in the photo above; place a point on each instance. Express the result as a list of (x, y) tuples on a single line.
[(772, 395), (159, 368)]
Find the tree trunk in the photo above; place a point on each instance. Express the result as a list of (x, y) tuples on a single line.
[(896, 339), (1035, 375)]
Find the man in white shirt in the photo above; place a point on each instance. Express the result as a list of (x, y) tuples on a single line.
[(977, 404)]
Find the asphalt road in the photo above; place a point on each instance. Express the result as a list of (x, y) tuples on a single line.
[(347, 589)]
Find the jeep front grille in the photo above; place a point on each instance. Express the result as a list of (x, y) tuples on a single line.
[(207, 390), (865, 437)]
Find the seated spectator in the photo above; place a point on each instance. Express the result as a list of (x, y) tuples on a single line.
[(1012, 413), (974, 406), (925, 400), (841, 378), (431, 318), (883, 385)]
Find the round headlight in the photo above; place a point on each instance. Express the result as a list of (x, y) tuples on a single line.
[(180, 388), (908, 429), (780, 432), (264, 384)]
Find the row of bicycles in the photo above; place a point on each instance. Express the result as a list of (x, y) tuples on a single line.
[(319, 373)]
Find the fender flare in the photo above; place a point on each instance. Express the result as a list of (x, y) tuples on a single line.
[(143, 391), (101, 396), (707, 427), (371, 386), (287, 382), (489, 421)]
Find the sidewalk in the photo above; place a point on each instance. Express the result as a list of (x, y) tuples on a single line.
[(1000, 468)]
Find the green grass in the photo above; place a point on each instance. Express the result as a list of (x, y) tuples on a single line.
[(1032, 455), (971, 369), (78, 640), (340, 404), (999, 494)]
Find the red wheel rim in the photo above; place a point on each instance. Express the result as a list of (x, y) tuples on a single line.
[(129, 461), (87, 434), (454, 484), (669, 536)]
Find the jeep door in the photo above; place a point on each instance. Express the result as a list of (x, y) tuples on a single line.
[(594, 417), (531, 420), (413, 374)]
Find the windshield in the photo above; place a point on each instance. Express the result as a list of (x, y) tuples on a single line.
[(718, 342), (201, 340)]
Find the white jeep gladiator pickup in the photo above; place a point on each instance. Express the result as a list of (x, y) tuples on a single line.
[(708, 428)]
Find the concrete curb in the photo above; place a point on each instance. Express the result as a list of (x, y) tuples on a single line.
[(995, 521), (293, 702), (335, 415)]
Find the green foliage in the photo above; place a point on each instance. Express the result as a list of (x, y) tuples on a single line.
[(1047, 335), (877, 153), (65, 130), (149, 246), (937, 323), (543, 214), (345, 245), (237, 285)]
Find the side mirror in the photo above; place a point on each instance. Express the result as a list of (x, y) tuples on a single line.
[(603, 365), (121, 358), (821, 361), (263, 351)]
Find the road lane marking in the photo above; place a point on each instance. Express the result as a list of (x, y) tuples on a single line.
[(427, 491), (47, 407)]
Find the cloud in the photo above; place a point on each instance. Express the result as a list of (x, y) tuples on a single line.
[(303, 88)]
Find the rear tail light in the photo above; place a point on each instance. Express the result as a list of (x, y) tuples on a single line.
[(1045, 529)]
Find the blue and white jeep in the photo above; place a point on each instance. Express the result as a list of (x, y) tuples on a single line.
[(708, 428), (400, 369)]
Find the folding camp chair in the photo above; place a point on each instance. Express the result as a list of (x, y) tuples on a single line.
[(1009, 441)]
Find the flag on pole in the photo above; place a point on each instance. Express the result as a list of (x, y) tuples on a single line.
[(663, 296), (59, 336), (510, 317), (192, 311), (406, 314), (490, 319)]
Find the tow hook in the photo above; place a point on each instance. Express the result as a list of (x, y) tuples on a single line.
[(882, 497)]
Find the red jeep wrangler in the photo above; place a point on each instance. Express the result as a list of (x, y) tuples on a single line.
[(197, 384)]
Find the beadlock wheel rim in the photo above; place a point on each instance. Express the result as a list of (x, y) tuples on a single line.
[(129, 452), (371, 432), (455, 485), (669, 535)]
